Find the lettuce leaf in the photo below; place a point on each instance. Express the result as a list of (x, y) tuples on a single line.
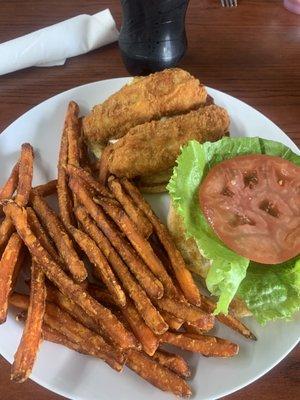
[(228, 269), (272, 292)]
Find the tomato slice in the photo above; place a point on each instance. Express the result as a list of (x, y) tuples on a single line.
[(253, 205)]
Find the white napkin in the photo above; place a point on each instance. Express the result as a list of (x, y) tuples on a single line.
[(54, 44)]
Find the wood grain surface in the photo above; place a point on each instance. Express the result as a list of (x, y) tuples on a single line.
[(251, 52)]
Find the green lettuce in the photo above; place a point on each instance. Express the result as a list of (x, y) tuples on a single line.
[(272, 292), (229, 272)]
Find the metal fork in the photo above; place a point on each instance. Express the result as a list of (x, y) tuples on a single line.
[(229, 3)]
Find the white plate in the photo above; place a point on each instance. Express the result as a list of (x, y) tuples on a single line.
[(83, 378)]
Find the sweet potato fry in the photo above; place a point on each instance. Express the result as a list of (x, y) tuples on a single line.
[(103, 296), (141, 245), (134, 213), (82, 347), (187, 312), (9, 187), (62, 322), (11, 184), (60, 237), (75, 331), (147, 280), (156, 374), (173, 322), (43, 237), (46, 189), (72, 127), (25, 171), (192, 329), (80, 173), (64, 196), (25, 174), (162, 255), (143, 333), (29, 344), (20, 301), (207, 345), (144, 306), (56, 297), (101, 266), (110, 201), (173, 362), (101, 315), (182, 274), (84, 161), (229, 320), (6, 230), (103, 164), (23, 262), (9, 265)]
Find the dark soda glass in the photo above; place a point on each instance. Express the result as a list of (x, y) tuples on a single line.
[(152, 35)]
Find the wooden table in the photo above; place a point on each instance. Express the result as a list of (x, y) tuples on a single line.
[(251, 52)]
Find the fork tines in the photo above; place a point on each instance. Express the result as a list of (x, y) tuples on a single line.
[(229, 3)]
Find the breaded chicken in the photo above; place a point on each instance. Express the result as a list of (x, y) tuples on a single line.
[(170, 92), (154, 146)]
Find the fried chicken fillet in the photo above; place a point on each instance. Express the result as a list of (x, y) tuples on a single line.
[(154, 146), (165, 93)]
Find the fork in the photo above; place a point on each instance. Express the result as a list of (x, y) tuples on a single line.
[(229, 3)]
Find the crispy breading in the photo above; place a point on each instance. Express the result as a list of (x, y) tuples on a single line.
[(170, 92), (155, 183), (154, 146)]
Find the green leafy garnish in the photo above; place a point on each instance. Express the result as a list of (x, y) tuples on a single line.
[(230, 273), (272, 292)]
